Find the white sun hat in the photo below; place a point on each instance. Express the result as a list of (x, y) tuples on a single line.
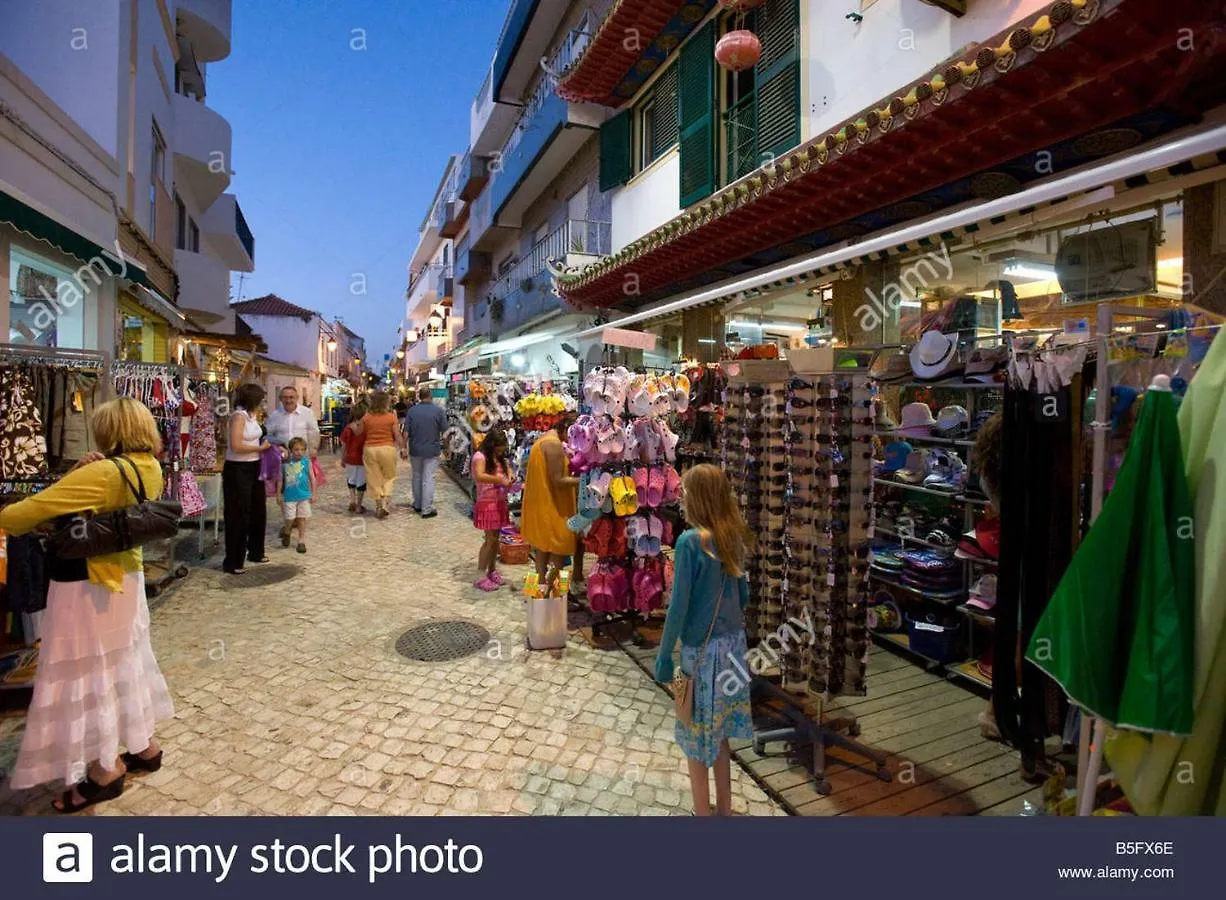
[(934, 355)]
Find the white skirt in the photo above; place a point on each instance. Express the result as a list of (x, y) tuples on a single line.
[(97, 687)]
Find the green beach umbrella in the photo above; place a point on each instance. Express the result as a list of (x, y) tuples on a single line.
[(1119, 633)]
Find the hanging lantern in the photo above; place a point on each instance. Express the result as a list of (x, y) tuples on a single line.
[(740, 6), (737, 51)]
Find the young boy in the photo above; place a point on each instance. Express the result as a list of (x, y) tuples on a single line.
[(297, 489)]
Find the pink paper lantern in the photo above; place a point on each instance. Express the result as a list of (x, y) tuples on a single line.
[(738, 50)]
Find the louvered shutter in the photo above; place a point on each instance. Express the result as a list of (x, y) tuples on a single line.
[(696, 113), (777, 78), (615, 157)]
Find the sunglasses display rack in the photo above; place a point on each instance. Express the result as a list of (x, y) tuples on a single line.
[(934, 578), (627, 516), (797, 448)]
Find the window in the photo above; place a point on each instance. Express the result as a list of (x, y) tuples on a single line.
[(180, 224), (46, 302), (157, 170), (193, 236), (657, 120)]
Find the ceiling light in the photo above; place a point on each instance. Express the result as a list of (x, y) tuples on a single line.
[(518, 360), (769, 326), (1173, 262), (1030, 270), (706, 340), (911, 304)]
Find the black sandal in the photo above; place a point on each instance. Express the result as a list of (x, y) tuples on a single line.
[(135, 763), (91, 793)]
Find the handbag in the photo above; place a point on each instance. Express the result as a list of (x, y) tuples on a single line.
[(122, 529), (683, 685), (318, 469)]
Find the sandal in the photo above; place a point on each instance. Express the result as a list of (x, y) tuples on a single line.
[(262, 559), (134, 762), (91, 792), (234, 571)]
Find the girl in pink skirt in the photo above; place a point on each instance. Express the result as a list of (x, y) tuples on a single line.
[(490, 513)]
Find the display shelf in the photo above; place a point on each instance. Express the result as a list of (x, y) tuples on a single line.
[(944, 601), (926, 438), (904, 539), (960, 498), (949, 385), (969, 671), (979, 615), (902, 640)]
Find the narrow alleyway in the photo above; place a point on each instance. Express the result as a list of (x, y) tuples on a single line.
[(292, 699)]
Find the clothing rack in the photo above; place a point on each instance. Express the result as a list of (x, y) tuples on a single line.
[(64, 358)]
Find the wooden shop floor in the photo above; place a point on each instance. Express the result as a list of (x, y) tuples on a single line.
[(926, 725)]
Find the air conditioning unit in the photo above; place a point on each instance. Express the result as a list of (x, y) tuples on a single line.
[(1116, 261), (957, 7)]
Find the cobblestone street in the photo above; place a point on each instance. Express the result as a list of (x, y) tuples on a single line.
[(292, 700)]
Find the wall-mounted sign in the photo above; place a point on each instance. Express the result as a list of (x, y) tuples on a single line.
[(621, 337)]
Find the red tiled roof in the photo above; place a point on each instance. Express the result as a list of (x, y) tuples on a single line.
[(271, 305)]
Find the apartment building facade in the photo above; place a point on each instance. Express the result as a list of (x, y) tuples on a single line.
[(523, 196), (787, 190), (111, 143)]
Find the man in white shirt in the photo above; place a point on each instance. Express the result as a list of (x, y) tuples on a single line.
[(291, 421)]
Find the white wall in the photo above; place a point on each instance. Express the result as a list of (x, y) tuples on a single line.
[(851, 66), (648, 201), (71, 49), (289, 339)]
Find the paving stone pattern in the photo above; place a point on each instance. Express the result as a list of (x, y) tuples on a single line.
[(291, 698)]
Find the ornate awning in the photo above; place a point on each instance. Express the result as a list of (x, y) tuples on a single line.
[(1081, 80), (634, 40)]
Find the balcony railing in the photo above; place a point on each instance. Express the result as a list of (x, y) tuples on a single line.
[(575, 236), (572, 48)]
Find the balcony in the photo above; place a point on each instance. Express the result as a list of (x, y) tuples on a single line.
[(228, 233), (524, 293), (454, 215), (204, 290), (472, 175), (433, 284), (548, 134), (202, 149), (489, 121), (526, 32), (206, 23), (472, 266)]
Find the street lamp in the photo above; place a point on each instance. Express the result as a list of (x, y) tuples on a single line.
[(332, 345), (400, 354)]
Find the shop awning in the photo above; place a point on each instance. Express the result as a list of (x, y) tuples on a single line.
[(1197, 151), (159, 306), (1080, 81), (41, 226)]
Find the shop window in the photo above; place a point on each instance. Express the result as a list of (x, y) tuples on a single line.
[(657, 120), (193, 236), (46, 302)]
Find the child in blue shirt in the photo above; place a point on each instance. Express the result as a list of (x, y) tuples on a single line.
[(297, 489)]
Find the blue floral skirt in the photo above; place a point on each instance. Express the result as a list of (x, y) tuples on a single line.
[(721, 698)]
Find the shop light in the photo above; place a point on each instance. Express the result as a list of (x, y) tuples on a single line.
[(1175, 262), (706, 340), (770, 326), (1030, 270), (332, 346), (911, 304), (518, 360)]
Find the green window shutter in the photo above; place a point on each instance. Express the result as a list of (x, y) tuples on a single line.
[(696, 95), (777, 79), (615, 155)]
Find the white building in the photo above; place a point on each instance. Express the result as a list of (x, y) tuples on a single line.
[(108, 136), (299, 337)]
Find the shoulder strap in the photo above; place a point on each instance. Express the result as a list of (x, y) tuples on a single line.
[(139, 491), (714, 616)]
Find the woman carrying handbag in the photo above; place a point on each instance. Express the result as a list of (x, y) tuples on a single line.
[(98, 687), (710, 592)]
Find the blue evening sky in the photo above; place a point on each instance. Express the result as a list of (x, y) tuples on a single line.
[(337, 151)]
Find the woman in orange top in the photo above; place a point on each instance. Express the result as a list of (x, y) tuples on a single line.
[(384, 436), (549, 500)]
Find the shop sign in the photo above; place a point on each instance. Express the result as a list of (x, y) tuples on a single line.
[(622, 337)]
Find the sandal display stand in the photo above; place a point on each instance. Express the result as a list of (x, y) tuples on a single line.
[(797, 448)]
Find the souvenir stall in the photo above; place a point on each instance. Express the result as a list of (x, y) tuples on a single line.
[(46, 398), (624, 451), (699, 414), (184, 403)]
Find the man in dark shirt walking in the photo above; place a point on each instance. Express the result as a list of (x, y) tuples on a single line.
[(425, 423)]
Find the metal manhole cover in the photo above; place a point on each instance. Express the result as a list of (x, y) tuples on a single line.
[(441, 641), (261, 576)]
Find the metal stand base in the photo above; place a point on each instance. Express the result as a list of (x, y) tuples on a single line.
[(799, 729)]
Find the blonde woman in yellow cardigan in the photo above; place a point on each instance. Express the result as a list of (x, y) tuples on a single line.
[(98, 687)]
